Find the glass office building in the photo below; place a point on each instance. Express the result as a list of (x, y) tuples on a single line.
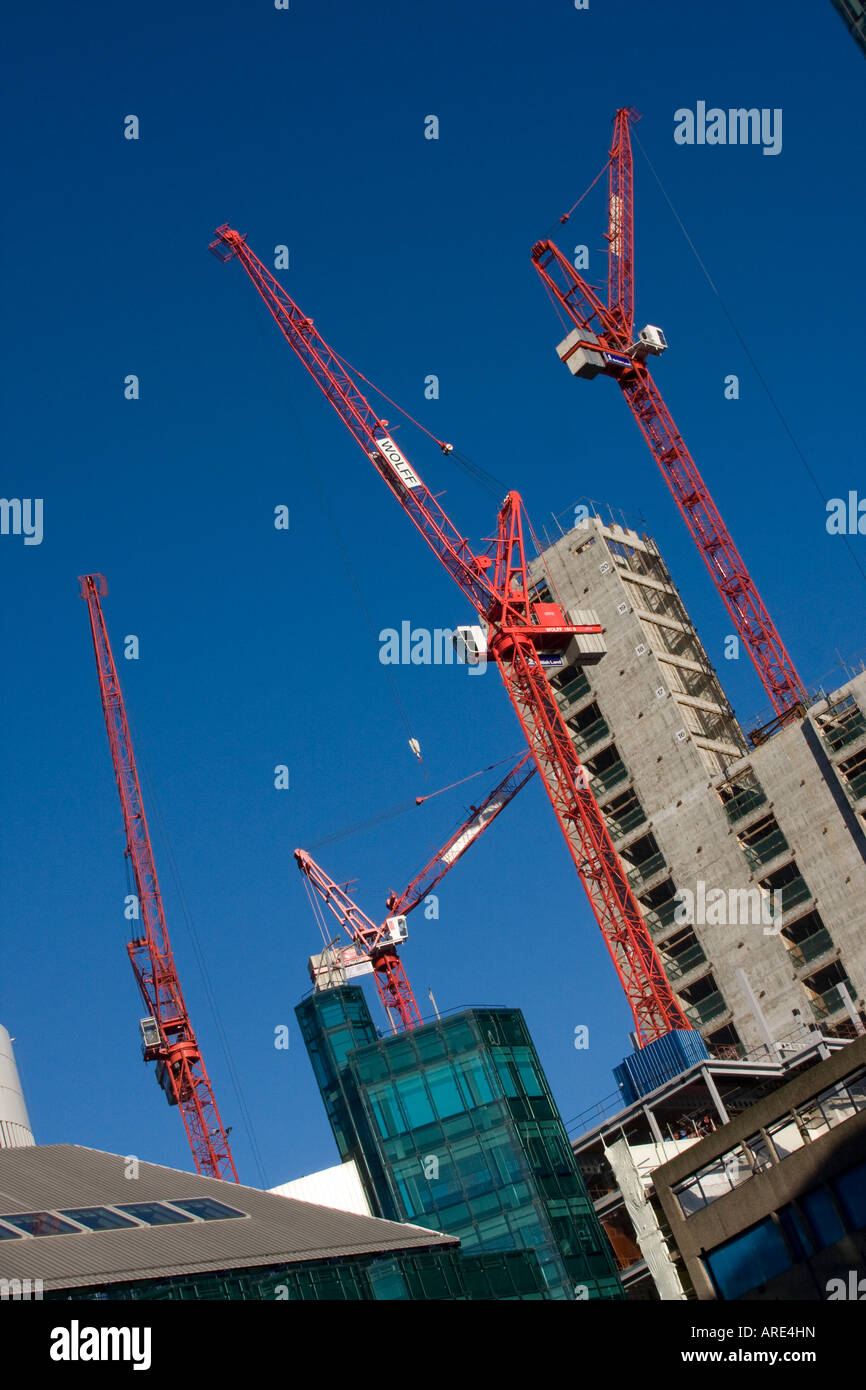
[(453, 1127)]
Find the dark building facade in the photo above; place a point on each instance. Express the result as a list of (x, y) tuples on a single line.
[(773, 1204), (454, 1128)]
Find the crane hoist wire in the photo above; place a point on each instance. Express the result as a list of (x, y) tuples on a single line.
[(746, 349), (153, 802), (315, 475), (401, 809), (489, 481)]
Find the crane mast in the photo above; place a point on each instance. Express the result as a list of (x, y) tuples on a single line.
[(521, 633), (168, 1036), (603, 342)]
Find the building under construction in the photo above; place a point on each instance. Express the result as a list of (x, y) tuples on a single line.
[(746, 850)]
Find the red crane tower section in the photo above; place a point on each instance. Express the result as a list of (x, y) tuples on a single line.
[(168, 1036), (520, 634), (603, 341), (378, 945)]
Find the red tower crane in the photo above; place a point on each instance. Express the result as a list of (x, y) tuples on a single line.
[(521, 634), (603, 342), (374, 946), (167, 1033)]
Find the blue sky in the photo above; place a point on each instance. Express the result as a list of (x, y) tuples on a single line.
[(305, 128)]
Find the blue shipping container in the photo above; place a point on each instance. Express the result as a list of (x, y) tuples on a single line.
[(660, 1061)]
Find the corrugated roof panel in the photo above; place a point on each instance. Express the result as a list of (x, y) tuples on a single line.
[(276, 1230)]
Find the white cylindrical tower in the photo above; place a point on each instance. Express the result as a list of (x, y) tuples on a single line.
[(15, 1131)]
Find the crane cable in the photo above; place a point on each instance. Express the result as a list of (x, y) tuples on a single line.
[(487, 480), (744, 345), (257, 326)]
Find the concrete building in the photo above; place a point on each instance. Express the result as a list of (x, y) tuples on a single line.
[(76, 1224), (746, 850), (453, 1127), (773, 1205)]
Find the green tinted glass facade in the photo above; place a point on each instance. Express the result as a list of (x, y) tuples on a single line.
[(427, 1275), (459, 1133)]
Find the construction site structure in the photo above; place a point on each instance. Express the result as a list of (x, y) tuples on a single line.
[(524, 636), (603, 342), (747, 855), (167, 1034)]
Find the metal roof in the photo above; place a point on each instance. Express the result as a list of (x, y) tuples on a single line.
[(276, 1230)]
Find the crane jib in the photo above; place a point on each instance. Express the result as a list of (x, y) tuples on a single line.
[(401, 466)]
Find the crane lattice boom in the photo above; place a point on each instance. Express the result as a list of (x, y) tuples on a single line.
[(521, 635), (603, 342), (168, 1033)]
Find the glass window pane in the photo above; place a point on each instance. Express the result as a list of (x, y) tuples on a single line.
[(786, 1137), (823, 1217), (41, 1223), (154, 1213), (445, 1092), (98, 1218), (342, 1041), (527, 1072), (814, 1121), (506, 1076), (429, 1046), (389, 1119), (752, 1258), (837, 1105), (7, 1234), (416, 1103), (757, 1146), (851, 1188), (206, 1208), (856, 1088), (476, 1079)]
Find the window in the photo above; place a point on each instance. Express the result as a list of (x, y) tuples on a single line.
[(475, 1081), (527, 1071), (154, 1213), (98, 1218), (757, 1147), (851, 1190), (822, 1217), (444, 1090), (206, 1209), (416, 1103), (6, 1233), (786, 1136), (389, 1121), (41, 1223), (715, 1180), (752, 1258)]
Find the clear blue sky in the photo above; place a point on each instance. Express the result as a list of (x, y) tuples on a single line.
[(306, 128)]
